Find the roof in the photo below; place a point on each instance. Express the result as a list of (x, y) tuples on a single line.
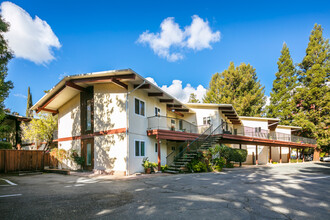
[(272, 122), (287, 126), (227, 110), (70, 86)]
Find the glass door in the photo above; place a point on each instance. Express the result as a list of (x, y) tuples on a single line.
[(87, 151)]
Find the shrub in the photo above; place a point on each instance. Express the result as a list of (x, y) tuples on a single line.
[(76, 158), (219, 163), (229, 165), (59, 154), (5, 145), (164, 168), (198, 166)]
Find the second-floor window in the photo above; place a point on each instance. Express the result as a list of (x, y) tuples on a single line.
[(157, 111), (139, 107), (206, 120), (89, 115), (257, 129)]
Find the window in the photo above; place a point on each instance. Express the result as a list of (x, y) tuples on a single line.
[(173, 148), (156, 147), (139, 107), (180, 125), (257, 129), (139, 148), (89, 154), (206, 120), (89, 115), (235, 131), (157, 111)]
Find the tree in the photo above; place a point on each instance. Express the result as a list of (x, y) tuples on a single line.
[(40, 129), (238, 86), (281, 102), (5, 56), (29, 104), (312, 98), (193, 98)]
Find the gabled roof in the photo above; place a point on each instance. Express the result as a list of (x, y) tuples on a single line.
[(70, 86)]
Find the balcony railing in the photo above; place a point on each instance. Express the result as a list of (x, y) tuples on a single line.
[(174, 124), (265, 134)]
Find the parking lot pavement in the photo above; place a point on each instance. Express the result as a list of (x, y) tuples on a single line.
[(295, 191)]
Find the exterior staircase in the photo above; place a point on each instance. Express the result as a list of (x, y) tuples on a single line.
[(190, 152)]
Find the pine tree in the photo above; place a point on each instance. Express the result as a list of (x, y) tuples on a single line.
[(29, 104), (193, 98), (238, 86), (5, 56), (313, 94), (281, 102)]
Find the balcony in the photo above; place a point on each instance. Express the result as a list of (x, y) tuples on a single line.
[(258, 133), (173, 128), (174, 124)]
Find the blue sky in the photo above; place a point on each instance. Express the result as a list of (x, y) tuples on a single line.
[(103, 35)]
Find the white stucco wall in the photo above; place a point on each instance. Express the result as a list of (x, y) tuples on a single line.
[(109, 107), (69, 118), (68, 146)]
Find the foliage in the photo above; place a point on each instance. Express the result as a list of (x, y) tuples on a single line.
[(312, 98), (322, 154), (59, 154), (5, 145), (219, 163), (274, 162), (146, 163), (193, 98), (29, 104), (163, 168), (238, 86), (40, 129), (281, 102), (229, 165), (197, 166), (5, 56), (229, 154), (76, 158)]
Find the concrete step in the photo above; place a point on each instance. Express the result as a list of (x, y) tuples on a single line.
[(171, 171)]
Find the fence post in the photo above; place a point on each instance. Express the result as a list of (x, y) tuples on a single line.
[(43, 161)]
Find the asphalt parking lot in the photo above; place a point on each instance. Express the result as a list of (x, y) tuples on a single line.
[(295, 191)]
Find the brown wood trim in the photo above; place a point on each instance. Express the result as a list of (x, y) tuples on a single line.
[(181, 110), (152, 94), (173, 106), (172, 135), (51, 98), (103, 78), (166, 100), (225, 108), (75, 86), (99, 133), (39, 109), (121, 84), (144, 86)]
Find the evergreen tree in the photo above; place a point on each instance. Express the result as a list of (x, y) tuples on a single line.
[(193, 98), (29, 104), (312, 98), (281, 102), (238, 86), (5, 56)]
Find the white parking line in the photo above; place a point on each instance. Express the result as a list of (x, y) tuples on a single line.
[(9, 182), (10, 195)]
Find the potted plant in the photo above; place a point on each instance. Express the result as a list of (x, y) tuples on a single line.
[(146, 165)]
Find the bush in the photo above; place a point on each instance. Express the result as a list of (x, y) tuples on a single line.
[(198, 166), (229, 165), (59, 154), (219, 163), (164, 168), (76, 158), (5, 145)]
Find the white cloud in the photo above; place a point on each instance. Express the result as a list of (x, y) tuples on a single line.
[(20, 95), (171, 40), (178, 91), (31, 39)]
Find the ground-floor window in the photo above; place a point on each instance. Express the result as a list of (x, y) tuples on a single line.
[(156, 147), (139, 148)]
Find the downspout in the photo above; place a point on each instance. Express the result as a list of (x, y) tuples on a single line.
[(127, 124)]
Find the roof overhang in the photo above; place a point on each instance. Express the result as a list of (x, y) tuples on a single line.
[(230, 113), (70, 86)]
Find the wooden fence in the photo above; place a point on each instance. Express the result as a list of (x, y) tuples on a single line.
[(25, 160)]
